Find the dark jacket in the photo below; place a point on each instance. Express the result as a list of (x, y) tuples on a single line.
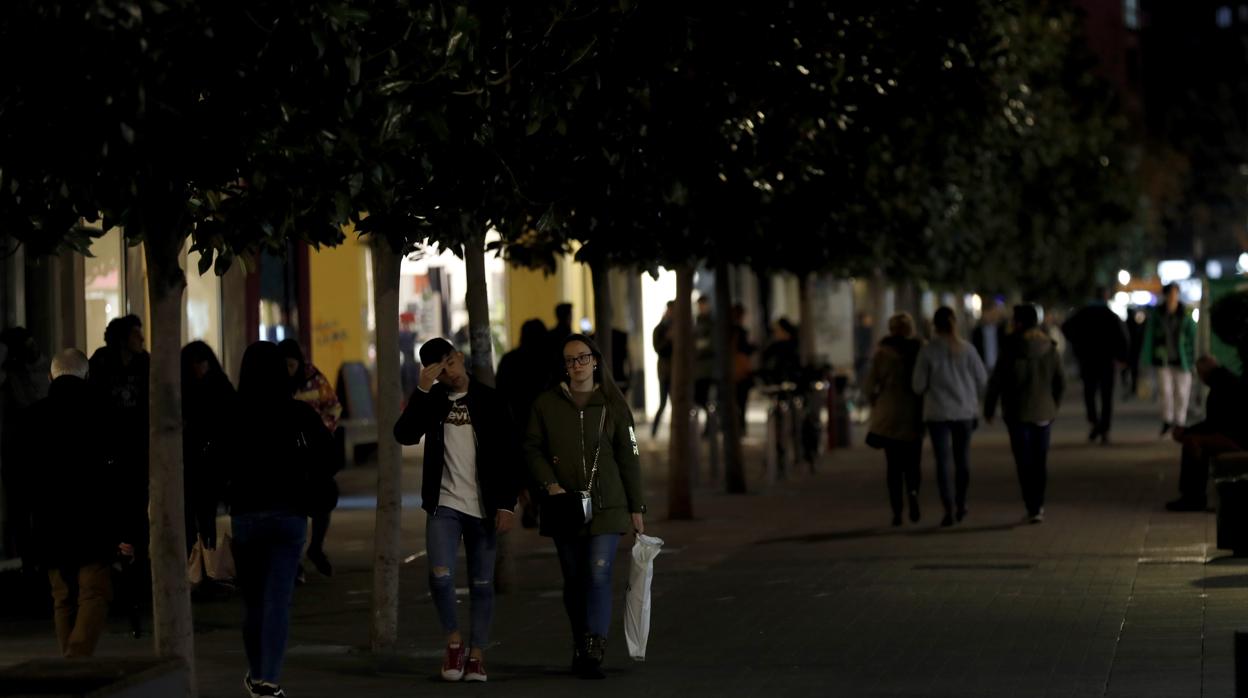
[(66, 455), (560, 445), (1225, 406), (1097, 335), (896, 410), (1028, 380), (278, 458), (208, 408), (500, 471)]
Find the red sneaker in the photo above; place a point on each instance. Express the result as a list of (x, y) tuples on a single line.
[(453, 665), (475, 670)]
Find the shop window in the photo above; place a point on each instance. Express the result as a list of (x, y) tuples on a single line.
[(104, 286), (201, 313)]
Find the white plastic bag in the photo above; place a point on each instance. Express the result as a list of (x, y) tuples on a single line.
[(637, 595)]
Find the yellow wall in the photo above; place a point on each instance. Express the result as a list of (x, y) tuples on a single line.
[(533, 294), (339, 303)]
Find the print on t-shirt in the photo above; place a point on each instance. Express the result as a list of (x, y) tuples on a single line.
[(459, 415)]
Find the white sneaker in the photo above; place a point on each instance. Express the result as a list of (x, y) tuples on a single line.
[(1038, 517)]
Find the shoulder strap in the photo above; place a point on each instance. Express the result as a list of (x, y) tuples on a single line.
[(602, 420)]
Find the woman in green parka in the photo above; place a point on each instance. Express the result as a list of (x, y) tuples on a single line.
[(562, 443)]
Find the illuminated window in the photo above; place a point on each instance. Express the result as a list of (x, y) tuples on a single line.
[(1224, 17), (1131, 13), (104, 286), (201, 317)]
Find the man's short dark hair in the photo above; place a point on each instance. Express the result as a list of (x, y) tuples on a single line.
[(435, 350), (118, 330), (1165, 290), (563, 311)]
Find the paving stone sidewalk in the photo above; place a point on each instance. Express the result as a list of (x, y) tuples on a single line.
[(805, 590)]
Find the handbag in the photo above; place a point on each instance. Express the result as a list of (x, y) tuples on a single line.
[(567, 512)]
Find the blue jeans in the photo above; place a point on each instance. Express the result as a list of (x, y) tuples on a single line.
[(951, 441), (1030, 443), (443, 529), (267, 548), (586, 563)]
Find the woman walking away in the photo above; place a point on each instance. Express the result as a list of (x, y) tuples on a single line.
[(950, 376), (309, 385), (208, 403), (581, 440), (897, 412), (280, 456), (1028, 381)]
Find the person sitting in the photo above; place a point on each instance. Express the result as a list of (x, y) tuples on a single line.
[(1223, 430)]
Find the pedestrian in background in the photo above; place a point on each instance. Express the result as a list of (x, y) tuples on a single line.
[(1170, 345), (742, 367), (950, 376), (896, 423), (310, 386), (279, 457), (66, 449), (523, 373), (24, 374), (473, 470), (581, 439), (208, 405), (1101, 345), (661, 338), (1028, 381)]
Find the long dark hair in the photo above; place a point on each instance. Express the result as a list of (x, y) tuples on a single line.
[(291, 350), (602, 374), (263, 378)]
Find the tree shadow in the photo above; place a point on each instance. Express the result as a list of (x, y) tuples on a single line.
[(884, 532), (1231, 581)]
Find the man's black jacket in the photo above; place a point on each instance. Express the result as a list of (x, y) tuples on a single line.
[(499, 465)]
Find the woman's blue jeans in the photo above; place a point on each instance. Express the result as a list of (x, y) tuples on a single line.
[(443, 530), (267, 548), (586, 563), (951, 444)]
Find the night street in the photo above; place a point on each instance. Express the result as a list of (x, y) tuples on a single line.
[(806, 591)]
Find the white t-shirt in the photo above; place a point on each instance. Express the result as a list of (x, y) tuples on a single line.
[(459, 475)]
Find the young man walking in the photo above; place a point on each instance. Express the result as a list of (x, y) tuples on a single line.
[(472, 476)]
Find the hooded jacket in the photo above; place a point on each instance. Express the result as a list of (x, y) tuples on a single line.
[(1028, 380), (896, 410), (560, 445), (950, 376), (499, 468)]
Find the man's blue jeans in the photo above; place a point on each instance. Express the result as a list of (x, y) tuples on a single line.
[(443, 529), (951, 441), (586, 562), (267, 548)]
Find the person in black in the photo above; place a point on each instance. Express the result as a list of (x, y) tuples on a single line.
[(65, 447), (558, 333), (23, 372), (661, 338), (208, 404), (1101, 345), (473, 471), (119, 373), (523, 374), (1224, 429), (278, 461)]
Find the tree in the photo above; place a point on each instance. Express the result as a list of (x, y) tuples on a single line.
[(151, 116)]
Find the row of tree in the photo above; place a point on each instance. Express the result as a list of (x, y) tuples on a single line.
[(954, 142)]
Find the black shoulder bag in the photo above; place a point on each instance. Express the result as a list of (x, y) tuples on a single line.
[(565, 513)]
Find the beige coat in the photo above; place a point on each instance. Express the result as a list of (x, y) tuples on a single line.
[(896, 410)]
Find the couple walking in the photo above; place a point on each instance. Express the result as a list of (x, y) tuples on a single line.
[(938, 385)]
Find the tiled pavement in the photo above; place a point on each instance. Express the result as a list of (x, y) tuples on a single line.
[(804, 590)]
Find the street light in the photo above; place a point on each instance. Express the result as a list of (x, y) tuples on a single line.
[(1124, 277)]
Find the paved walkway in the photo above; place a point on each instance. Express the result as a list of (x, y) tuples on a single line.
[(804, 590)]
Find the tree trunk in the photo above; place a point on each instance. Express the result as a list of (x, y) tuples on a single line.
[(387, 534), (171, 592), (680, 448), (734, 459), (603, 312), (806, 309), (478, 301)]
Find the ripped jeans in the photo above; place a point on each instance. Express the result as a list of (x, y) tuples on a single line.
[(444, 528), (586, 562)]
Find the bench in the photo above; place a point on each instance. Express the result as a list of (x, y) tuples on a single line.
[(359, 418)]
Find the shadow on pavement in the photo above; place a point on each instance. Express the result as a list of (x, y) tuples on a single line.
[(882, 532), (1233, 581)]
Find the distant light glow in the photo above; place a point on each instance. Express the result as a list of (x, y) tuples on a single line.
[(1119, 304), (1141, 298), (1122, 298), (1172, 270), (1196, 315), (1224, 17), (1213, 269), (1124, 277), (1241, 265)]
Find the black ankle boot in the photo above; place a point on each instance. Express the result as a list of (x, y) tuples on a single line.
[(595, 652)]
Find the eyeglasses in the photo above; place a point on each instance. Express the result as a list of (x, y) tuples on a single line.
[(579, 360)]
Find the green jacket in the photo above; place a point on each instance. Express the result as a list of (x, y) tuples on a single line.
[(1154, 344), (1027, 380), (560, 445)]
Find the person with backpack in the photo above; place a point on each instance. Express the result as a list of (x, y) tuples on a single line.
[(278, 459)]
